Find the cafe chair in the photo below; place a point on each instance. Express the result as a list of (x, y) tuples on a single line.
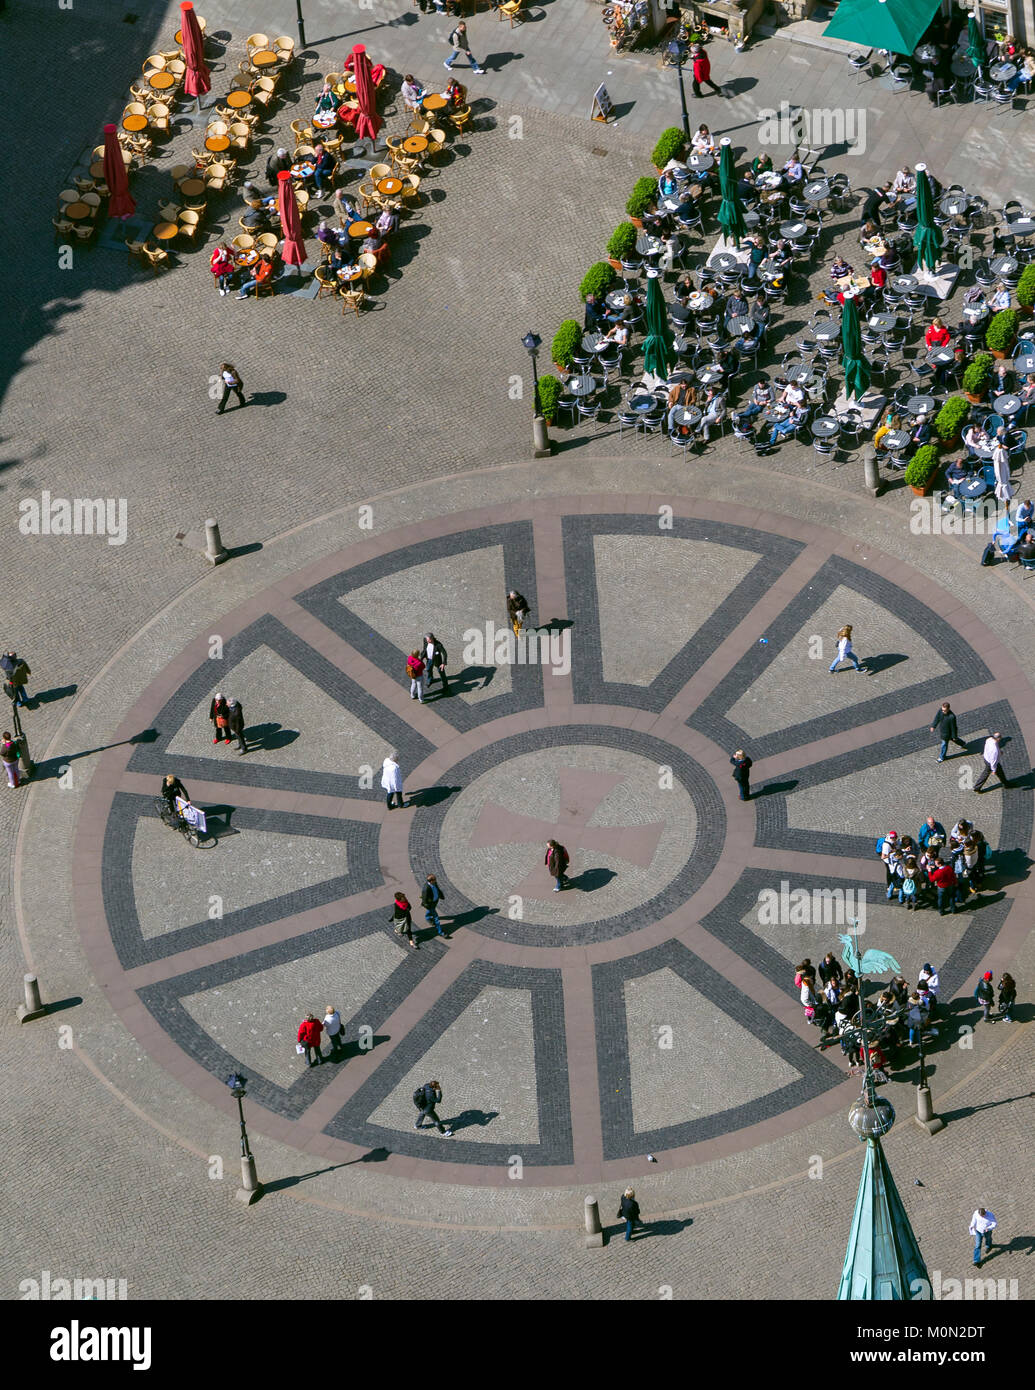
[(302, 199), (142, 91), (284, 47), (178, 68), (216, 176), (169, 212), (437, 143), (510, 9), (156, 258), (411, 188), (266, 241), (303, 133), (333, 143), (85, 230), (367, 262), (303, 152), (135, 248), (352, 298), (92, 199), (160, 118), (380, 171), (189, 221), (155, 63), (244, 242), (460, 119), (327, 280), (62, 226), (240, 135), (254, 41), (267, 287)]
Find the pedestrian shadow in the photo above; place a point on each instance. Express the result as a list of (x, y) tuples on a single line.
[(774, 789), (430, 796), (472, 678), (269, 397), (468, 1119), (1018, 1245), (592, 879), (353, 1049), (47, 697), (494, 62), (884, 662), (269, 737), (468, 919), (555, 625)]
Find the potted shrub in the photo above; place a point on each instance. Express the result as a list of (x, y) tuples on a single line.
[(1026, 287), (1002, 332), (622, 244), (671, 144), (597, 280), (977, 377), (921, 469), (643, 197), (566, 343), (550, 391), (948, 423)]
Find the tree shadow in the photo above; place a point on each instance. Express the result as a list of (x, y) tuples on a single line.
[(269, 736), (429, 796), (592, 879), (52, 767)]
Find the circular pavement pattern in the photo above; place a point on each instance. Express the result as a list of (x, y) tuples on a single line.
[(649, 1007)]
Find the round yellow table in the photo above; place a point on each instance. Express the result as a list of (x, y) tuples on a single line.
[(192, 188), (434, 101), (389, 186), (360, 229), (350, 84), (217, 143), (165, 231), (416, 144), (76, 212), (347, 279), (161, 81), (134, 123), (264, 58), (238, 100)]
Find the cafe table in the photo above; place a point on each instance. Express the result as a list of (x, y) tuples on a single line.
[(389, 186), (434, 101), (903, 284), (217, 143), (975, 487), (304, 169), (688, 415), (165, 231), (963, 67), (134, 123), (583, 385), (325, 120), (350, 83), (247, 257), (1008, 404), (348, 273), (920, 405), (775, 413), (895, 441), (940, 356), (178, 36), (751, 219), (161, 81), (824, 427), (97, 169), (1003, 265), (647, 245), (926, 53), (1021, 226), (1025, 362), (802, 374), (793, 230), (740, 324), (264, 58), (643, 402), (974, 313), (192, 188), (883, 323), (593, 342), (415, 144), (237, 101), (723, 260), (816, 191), (1002, 72), (682, 377), (359, 230), (679, 313), (700, 163), (710, 375), (77, 212), (953, 206), (826, 332), (699, 301)]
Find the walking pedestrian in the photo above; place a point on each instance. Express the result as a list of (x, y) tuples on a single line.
[(629, 1212), (517, 610), (16, 673), (425, 1098), (982, 1224), (231, 382), (335, 1032), (401, 919), (235, 723), (435, 658), (220, 718), (993, 760), (458, 40), (557, 862), (830, 968), (985, 995), (944, 725), (742, 773), (844, 649), (415, 672), (392, 780), (9, 758), (1007, 998), (702, 71), (430, 897), (309, 1031), (928, 977)]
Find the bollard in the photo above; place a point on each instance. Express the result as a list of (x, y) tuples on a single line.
[(33, 1007), (541, 446), (215, 552), (925, 1116), (251, 1188), (594, 1235), (871, 470)]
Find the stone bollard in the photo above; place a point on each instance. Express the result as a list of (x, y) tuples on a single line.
[(541, 446), (925, 1116), (594, 1234), (215, 552), (871, 470), (33, 1007), (251, 1188)]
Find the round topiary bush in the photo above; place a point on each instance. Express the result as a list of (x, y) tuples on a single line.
[(550, 392), (643, 197), (622, 242), (1002, 331), (566, 342), (1026, 286), (671, 145), (598, 279), (949, 420), (922, 466), (978, 375)]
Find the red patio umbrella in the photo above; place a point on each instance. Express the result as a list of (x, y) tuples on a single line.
[(366, 121), (120, 204), (290, 221), (197, 80)]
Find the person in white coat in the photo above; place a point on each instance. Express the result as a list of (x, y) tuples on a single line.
[(1004, 489), (982, 1224), (392, 780), (844, 649), (993, 760)]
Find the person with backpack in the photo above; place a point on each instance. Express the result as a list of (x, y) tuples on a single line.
[(517, 610), (844, 650), (458, 40), (629, 1212), (9, 758), (907, 892), (435, 657), (557, 862), (425, 1098), (742, 773), (401, 919), (16, 673), (985, 995), (430, 897), (415, 670), (309, 1033), (944, 725), (1007, 997), (928, 977)]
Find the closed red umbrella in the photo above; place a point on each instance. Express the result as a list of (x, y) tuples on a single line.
[(290, 221), (197, 80), (366, 121), (120, 204)]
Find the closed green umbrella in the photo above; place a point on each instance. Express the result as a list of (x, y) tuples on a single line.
[(857, 369), (731, 211), (927, 238), (657, 348), (976, 50)]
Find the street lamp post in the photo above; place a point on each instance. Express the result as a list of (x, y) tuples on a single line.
[(540, 439), (251, 1189), (301, 23), (28, 766), (678, 52)]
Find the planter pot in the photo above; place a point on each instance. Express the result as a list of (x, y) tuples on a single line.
[(637, 223), (998, 355), (975, 400), (924, 491), (615, 265), (948, 445), (549, 422)]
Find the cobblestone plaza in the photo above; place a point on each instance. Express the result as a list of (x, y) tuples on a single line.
[(380, 485)]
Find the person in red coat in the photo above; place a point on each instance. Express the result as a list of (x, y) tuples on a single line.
[(702, 71), (944, 879), (309, 1034)]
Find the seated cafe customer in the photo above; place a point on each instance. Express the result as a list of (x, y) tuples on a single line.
[(714, 413), (1027, 391), (977, 440), (782, 428), (412, 92), (761, 396), (999, 298), (323, 168), (261, 273), (325, 102), (957, 474)]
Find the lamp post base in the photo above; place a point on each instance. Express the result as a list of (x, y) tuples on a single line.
[(541, 446), (925, 1116), (251, 1188)]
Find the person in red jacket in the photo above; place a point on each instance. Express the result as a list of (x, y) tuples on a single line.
[(310, 1031), (937, 334), (944, 879), (702, 71)]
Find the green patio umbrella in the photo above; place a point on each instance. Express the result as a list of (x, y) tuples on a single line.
[(927, 238), (658, 350), (897, 25), (857, 369), (976, 50), (731, 210)]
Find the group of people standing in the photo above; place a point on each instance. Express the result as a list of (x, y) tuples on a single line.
[(226, 715), (935, 868)]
